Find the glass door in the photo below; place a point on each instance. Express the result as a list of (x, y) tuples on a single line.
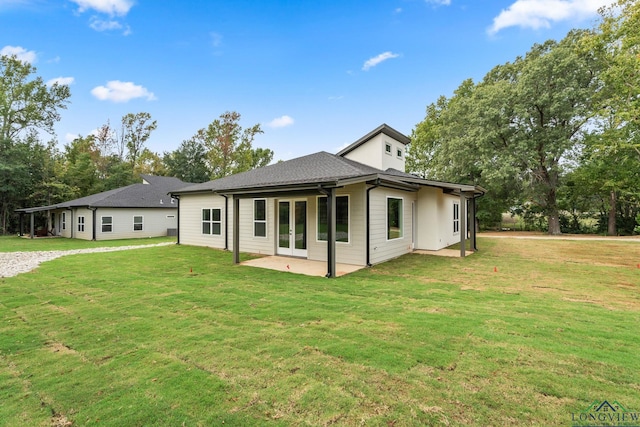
[(292, 227)]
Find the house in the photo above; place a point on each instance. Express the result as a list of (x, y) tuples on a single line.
[(137, 210), (354, 207)]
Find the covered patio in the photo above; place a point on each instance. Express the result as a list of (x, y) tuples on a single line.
[(300, 266)]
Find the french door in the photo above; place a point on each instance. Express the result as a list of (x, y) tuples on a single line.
[(292, 227)]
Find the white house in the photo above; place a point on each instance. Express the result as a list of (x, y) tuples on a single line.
[(137, 210), (354, 207)]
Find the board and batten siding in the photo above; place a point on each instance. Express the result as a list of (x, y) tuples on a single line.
[(381, 249), (352, 252), (191, 220)]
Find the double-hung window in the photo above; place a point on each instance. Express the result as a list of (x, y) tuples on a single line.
[(260, 218), (107, 224), (394, 218), (212, 222), (81, 223), (64, 220), (138, 223), (342, 219)]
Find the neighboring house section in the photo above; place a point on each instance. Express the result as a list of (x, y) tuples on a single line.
[(354, 207), (137, 210)]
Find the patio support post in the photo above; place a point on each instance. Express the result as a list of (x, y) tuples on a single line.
[(472, 223), (236, 230), (21, 224), (32, 225), (463, 224), (331, 233)]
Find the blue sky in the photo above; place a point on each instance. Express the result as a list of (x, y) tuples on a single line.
[(316, 75)]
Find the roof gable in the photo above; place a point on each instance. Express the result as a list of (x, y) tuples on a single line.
[(383, 128)]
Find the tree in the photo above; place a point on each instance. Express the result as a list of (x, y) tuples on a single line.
[(27, 104), (188, 162), (136, 130), (229, 147)]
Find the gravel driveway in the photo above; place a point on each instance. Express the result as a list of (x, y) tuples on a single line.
[(14, 263)]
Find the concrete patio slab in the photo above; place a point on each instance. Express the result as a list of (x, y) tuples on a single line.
[(454, 253), (300, 266)]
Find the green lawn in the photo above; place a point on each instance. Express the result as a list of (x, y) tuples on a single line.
[(523, 332)]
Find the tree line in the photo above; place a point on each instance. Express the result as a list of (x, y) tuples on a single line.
[(553, 135), (34, 172)]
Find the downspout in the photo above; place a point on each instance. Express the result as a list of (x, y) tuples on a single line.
[(226, 222), (93, 223), (177, 219), (368, 222)]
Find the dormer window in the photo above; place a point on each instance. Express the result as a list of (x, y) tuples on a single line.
[(387, 148), (399, 153)]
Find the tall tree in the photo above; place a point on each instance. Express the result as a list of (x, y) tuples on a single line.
[(136, 130), (230, 147), (25, 102), (188, 162)]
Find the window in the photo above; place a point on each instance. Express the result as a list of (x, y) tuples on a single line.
[(394, 218), (342, 219), (260, 218), (81, 223), (137, 223), (212, 222), (399, 153), (456, 218), (387, 148), (107, 224), (64, 220)]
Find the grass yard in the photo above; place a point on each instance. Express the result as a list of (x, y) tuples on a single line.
[(521, 333)]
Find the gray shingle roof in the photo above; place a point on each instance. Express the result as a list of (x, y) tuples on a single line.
[(155, 194), (318, 168)]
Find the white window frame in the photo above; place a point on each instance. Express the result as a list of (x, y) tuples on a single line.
[(64, 220), (399, 153), (80, 223), (388, 149), (318, 198), (260, 221), (401, 218), (141, 222), (456, 218), (211, 222), (102, 224)]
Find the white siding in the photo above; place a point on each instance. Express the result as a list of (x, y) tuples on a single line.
[(373, 153), (435, 219), (156, 222), (87, 234), (249, 243), (347, 253), (191, 220), (382, 249)]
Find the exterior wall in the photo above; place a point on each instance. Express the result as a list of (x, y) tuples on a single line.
[(435, 219), (76, 232), (352, 252), (155, 223), (381, 248), (191, 220), (250, 243), (373, 153)]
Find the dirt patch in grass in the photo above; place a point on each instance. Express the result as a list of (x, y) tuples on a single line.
[(58, 347)]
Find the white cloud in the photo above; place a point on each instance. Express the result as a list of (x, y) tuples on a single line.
[(372, 62), (61, 81), (100, 25), (281, 122), (443, 2), (19, 52), (118, 91), (110, 7), (537, 14), (70, 137), (216, 39)]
